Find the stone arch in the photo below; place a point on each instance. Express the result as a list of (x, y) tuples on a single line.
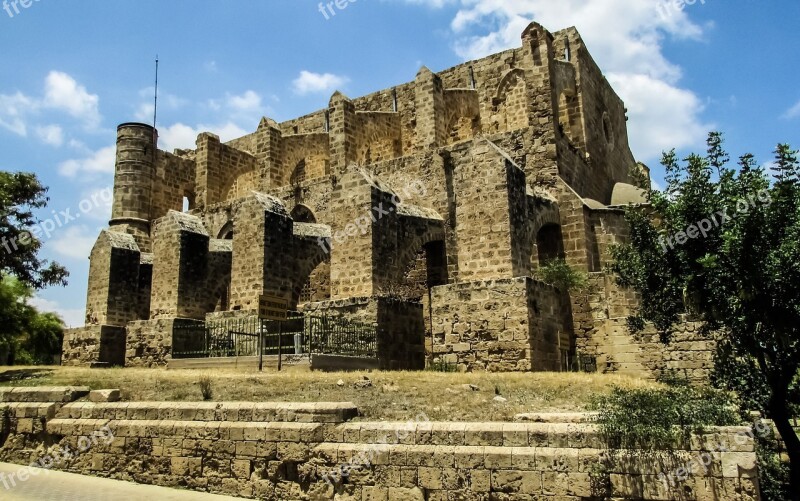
[(303, 214), (511, 102), (298, 173), (312, 278), (380, 137), (545, 214), (226, 232), (305, 157), (240, 181), (550, 243), (421, 263), (463, 114)]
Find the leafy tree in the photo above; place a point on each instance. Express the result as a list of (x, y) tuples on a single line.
[(24, 333), (723, 244), (26, 336), (20, 194)]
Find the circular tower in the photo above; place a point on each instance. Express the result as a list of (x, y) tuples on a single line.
[(133, 181)]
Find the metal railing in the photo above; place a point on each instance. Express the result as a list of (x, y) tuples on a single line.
[(298, 334)]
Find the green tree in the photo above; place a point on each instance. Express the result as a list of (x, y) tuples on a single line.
[(20, 195), (26, 336), (23, 332), (723, 244)]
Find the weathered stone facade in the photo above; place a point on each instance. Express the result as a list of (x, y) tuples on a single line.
[(433, 200)]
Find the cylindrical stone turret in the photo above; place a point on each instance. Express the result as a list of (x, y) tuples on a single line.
[(133, 181)]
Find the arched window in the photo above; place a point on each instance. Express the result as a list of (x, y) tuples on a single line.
[(299, 173), (302, 214), (550, 243)]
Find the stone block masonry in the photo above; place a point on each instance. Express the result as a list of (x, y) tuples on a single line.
[(520, 158), (314, 451)]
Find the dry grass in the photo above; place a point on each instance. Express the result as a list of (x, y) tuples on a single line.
[(392, 396)]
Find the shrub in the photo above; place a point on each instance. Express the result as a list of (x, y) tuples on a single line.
[(205, 388), (657, 419), (562, 276)]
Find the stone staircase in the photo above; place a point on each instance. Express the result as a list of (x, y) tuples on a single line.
[(316, 451)]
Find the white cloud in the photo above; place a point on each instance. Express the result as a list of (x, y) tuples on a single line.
[(248, 101), (793, 112), (182, 136), (624, 36), (13, 109), (96, 203), (51, 134), (62, 92), (235, 109), (74, 242), (314, 83), (661, 116), (166, 101), (98, 162), (71, 317)]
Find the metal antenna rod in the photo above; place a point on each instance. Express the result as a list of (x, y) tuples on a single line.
[(155, 102)]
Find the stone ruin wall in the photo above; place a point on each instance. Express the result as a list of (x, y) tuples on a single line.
[(281, 451), (503, 148)]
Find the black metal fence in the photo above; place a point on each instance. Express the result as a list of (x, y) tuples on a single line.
[(298, 334)]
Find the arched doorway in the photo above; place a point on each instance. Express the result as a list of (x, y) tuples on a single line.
[(550, 243)]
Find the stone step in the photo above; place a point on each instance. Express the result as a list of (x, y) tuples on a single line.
[(56, 394), (468, 457), (192, 430), (316, 412), (578, 435), (27, 410), (556, 417)]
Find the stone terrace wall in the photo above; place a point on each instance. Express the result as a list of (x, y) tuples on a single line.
[(298, 452)]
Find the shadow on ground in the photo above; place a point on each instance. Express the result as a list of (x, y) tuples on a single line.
[(10, 375)]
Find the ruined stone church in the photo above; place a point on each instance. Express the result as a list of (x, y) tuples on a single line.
[(424, 209)]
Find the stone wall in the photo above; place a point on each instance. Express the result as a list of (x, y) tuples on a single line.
[(149, 342), (312, 451), (103, 344), (501, 325), (600, 322)]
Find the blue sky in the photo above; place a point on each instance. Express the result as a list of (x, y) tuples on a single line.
[(72, 71)]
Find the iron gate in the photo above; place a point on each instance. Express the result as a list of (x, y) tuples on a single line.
[(298, 334)]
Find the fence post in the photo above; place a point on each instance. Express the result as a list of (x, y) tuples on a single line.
[(260, 345), (280, 345)]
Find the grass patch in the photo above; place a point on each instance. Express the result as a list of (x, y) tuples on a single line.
[(393, 395)]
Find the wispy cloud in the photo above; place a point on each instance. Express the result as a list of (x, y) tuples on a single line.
[(95, 163), (51, 134), (793, 112), (309, 82), (62, 94)]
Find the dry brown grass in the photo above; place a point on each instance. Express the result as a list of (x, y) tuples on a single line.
[(393, 396)]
